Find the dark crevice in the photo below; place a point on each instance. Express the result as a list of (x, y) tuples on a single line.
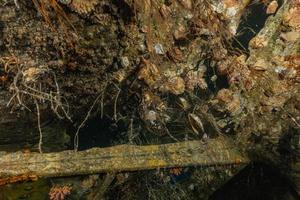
[(220, 82), (101, 132), (257, 182), (124, 10), (2, 27), (252, 22)]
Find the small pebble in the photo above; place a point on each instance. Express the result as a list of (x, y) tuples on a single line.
[(159, 49), (191, 187), (125, 61), (280, 69), (214, 78)]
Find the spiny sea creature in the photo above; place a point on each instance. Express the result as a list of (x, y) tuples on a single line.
[(81, 6)]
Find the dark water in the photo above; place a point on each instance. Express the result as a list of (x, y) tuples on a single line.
[(101, 132), (252, 22), (257, 182)]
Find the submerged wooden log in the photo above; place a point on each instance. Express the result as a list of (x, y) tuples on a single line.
[(218, 151)]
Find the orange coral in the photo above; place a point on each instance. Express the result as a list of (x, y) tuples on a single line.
[(59, 192), (176, 171)]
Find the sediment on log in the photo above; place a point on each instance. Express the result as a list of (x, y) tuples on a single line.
[(218, 151)]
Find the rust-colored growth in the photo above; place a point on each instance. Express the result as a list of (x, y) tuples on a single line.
[(19, 178)]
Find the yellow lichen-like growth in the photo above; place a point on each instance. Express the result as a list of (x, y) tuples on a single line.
[(83, 6)]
